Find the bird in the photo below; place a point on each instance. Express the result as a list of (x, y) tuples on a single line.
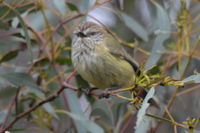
[(100, 59)]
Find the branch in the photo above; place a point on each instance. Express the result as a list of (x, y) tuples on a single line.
[(48, 99)]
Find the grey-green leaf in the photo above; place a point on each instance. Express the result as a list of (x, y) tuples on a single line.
[(135, 26), (9, 56), (84, 5), (75, 107), (192, 79), (101, 108), (50, 109), (164, 27), (2, 115), (25, 29), (19, 79), (142, 120), (72, 7), (89, 125), (23, 79)]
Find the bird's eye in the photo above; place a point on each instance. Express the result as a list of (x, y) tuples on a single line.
[(92, 33), (81, 34)]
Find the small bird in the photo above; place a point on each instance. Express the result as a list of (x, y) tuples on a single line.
[(100, 59)]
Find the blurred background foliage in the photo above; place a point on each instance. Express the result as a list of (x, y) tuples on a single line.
[(35, 59)]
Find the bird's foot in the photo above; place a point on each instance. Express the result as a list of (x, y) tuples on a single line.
[(105, 94), (88, 91)]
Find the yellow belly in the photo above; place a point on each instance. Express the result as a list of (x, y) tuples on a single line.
[(104, 70)]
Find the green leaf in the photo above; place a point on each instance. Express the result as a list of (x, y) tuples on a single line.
[(63, 61), (50, 109), (75, 107), (9, 56), (81, 82), (84, 5), (23, 79), (87, 124), (192, 79), (72, 7), (135, 26), (142, 123), (21, 10), (41, 62), (155, 70), (164, 28), (192, 131), (19, 79), (37, 92), (2, 115), (8, 45), (10, 81), (101, 108), (4, 25), (7, 92), (25, 29)]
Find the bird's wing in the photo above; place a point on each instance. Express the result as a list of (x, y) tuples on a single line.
[(117, 50)]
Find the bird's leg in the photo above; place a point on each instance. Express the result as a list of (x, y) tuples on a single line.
[(106, 92), (88, 91), (114, 90), (104, 95)]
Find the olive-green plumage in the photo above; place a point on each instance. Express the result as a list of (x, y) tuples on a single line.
[(100, 59)]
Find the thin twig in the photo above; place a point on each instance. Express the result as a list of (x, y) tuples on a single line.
[(48, 99), (172, 119), (13, 101), (177, 89), (188, 90), (16, 100)]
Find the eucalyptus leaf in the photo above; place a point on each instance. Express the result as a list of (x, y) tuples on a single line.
[(72, 7), (75, 107), (25, 29), (60, 6), (7, 92), (4, 25), (90, 126), (2, 115), (14, 80), (193, 79), (134, 26), (23, 79), (9, 56), (142, 123), (101, 108), (63, 61), (81, 82), (164, 28), (121, 4), (19, 79), (84, 5), (193, 131), (50, 109), (37, 92), (9, 14)]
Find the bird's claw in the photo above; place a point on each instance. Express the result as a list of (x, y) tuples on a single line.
[(104, 95), (87, 91)]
